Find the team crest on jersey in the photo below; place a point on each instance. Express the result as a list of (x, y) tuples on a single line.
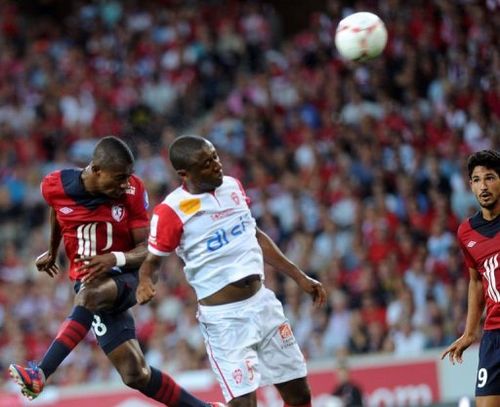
[(190, 206), (237, 376), (235, 198), (117, 212), (286, 335)]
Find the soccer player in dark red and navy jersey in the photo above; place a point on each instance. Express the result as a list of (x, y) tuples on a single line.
[(100, 213), (479, 239)]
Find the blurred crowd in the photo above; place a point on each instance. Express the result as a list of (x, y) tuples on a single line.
[(357, 171)]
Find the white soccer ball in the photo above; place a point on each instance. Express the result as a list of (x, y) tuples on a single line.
[(361, 36)]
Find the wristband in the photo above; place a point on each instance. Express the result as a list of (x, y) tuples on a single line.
[(120, 258)]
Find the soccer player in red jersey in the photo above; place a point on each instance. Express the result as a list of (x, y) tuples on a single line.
[(479, 239), (101, 214)]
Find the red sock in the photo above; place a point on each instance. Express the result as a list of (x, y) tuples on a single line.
[(70, 334), (169, 392), (164, 389)]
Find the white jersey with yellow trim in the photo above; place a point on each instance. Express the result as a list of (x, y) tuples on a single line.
[(213, 233)]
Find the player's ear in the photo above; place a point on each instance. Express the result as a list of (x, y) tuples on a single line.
[(182, 173), (95, 168)]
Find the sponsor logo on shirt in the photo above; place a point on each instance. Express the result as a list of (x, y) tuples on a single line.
[(190, 206), (66, 210), (118, 212), (222, 214), (222, 237), (472, 243)]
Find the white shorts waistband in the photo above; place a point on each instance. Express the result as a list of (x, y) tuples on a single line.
[(212, 309)]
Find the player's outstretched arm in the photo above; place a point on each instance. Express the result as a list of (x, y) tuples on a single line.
[(275, 257), (46, 262), (475, 309), (148, 276)]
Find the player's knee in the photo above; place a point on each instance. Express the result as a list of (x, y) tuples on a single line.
[(136, 378), (299, 398), (296, 393)]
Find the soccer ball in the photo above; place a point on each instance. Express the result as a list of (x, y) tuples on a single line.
[(361, 36)]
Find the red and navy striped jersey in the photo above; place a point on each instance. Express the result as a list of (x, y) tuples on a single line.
[(91, 224), (479, 240)]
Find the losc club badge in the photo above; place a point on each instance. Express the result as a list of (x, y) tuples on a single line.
[(118, 212)]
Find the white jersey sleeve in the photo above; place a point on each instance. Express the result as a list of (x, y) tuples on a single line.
[(213, 233)]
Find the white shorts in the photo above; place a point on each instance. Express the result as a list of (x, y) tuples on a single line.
[(250, 344)]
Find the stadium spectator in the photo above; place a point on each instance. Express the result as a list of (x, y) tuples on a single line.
[(347, 390)]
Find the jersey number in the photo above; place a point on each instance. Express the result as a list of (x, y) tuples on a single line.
[(87, 238), (98, 326), (482, 377), (490, 266)]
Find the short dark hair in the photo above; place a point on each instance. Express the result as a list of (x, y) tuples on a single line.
[(111, 153), (182, 149), (485, 158)]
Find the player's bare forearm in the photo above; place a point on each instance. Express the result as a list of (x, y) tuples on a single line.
[(148, 276), (475, 307), (46, 262), (136, 256), (55, 233), (150, 268), (275, 257)]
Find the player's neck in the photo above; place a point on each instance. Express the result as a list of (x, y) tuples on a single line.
[(87, 180), (195, 190), (490, 214)]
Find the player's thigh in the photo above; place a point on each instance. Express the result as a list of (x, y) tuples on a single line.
[(111, 329), (280, 356), (126, 285), (488, 401), (112, 292), (488, 372), (231, 339), (99, 294)]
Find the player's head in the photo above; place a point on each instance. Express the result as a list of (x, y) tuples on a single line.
[(484, 177), (111, 167), (195, 159)]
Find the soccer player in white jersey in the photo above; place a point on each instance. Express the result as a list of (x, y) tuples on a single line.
[(208, 223)]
